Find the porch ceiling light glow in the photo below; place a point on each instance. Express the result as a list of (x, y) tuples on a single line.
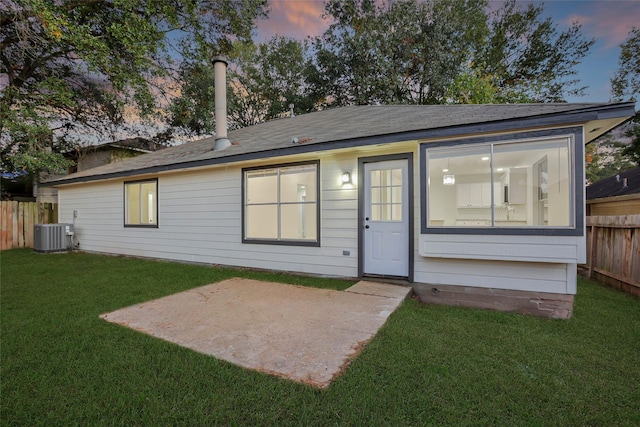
[(345, 178), (448, 179)]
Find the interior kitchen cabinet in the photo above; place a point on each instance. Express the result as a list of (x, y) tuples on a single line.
[(477, 194)]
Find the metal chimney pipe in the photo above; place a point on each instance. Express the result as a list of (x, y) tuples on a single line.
[(220, 82)]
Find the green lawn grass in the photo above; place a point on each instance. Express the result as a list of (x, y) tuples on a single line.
[(429, 365)]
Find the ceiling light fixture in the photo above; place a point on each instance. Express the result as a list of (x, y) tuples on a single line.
[(448, 178)]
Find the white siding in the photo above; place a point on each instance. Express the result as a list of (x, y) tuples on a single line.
[(200, 213), (554, 249), (199, 218), (523, 276)]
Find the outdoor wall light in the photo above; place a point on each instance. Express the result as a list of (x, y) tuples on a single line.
[(345, 178)]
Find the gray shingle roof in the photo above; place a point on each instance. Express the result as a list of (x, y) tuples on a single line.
[(323, 129), (623, 183)]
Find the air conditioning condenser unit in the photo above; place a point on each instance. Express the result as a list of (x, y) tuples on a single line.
[(53, 237)]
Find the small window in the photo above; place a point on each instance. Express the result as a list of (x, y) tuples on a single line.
[(141, 203), (386, 195), (281, 204)]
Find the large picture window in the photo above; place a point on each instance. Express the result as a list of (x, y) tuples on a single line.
[(281, 204), (525, 184), (141, 203)]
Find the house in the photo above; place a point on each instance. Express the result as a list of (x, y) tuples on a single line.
[(477, 205), (111, 152), (97, 155), (616, 195)]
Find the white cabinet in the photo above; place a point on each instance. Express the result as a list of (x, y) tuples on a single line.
[(477, 194), (465, 192), (515, 180)]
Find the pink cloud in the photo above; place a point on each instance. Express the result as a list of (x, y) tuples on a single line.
[(580, 19), (294, 18), (608, 21)]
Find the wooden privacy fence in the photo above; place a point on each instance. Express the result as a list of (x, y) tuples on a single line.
[(613, 251), (17, 220)]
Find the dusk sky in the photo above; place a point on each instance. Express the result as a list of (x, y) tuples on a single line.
[(607, 21)]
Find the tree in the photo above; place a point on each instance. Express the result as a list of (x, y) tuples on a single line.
[(626, 82), (71, 66), (528, 58), (625, 85), (264, 80), (432, 52), (396, 52), (269, 78), (605, 157), (191, 112), (470, 87)]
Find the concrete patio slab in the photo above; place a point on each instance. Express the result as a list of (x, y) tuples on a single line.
[(304, 334)]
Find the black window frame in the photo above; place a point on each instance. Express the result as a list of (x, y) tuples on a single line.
[(285, 242), (125, 205), (577, 189)]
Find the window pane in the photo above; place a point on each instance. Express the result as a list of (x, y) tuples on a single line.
[(375, 213), (538, 186), (525, 184), (385, 212), (396, 195), (262, 222), (375, 195), (396, 177), (262, 186), (148, 203), (396, 212), (298, 184), (459, 187), (385, 178), (133, 203), (298, 221), (385, 195), (375, 178)]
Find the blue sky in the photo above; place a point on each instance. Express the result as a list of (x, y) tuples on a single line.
[(607, 21)]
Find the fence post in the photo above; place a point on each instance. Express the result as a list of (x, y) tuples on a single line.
[(15, 211), (6, 222), (592, 248), (31, 218)]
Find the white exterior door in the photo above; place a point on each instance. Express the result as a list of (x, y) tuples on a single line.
[(386, 218)]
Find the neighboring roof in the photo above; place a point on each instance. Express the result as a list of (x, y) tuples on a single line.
[(354, 126), (624, 183), (13, 175), (138, 144)]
